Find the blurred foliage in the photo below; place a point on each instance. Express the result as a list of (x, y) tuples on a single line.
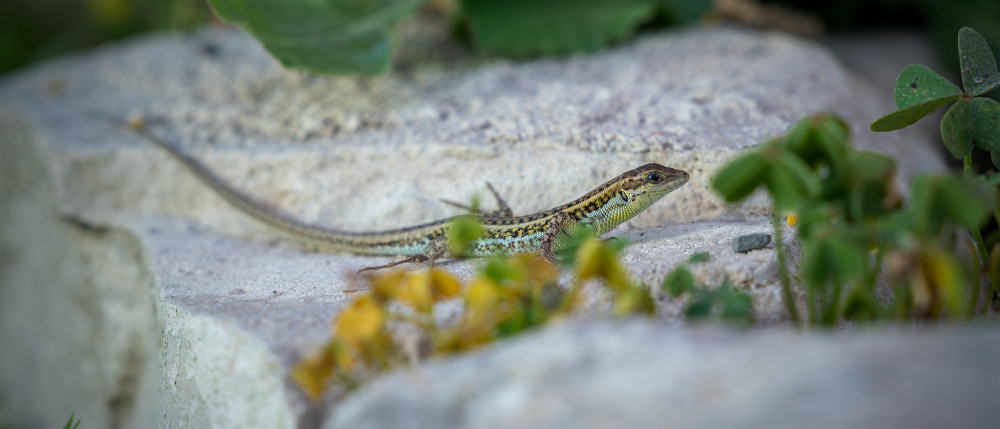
[(724, 303), (31, 31), (972, 123), (850, 220), (357, 36), (340, 37), (508, 296), (70, 423), (940, 19)]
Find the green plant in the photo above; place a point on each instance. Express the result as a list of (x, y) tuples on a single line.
[(69, 423), (973, 121), (357, 36), (724, 303), (851, 219), (507, 296)]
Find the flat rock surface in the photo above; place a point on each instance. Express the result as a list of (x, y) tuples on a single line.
[(236, 306), (634, 374)]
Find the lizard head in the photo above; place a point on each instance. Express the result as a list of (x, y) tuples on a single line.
[(625, 196), (643, 186)]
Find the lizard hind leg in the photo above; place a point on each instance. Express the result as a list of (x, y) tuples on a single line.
[(437, 248), (416, 259), (503, 211)]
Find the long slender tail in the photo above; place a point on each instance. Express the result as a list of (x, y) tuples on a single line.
[(355, 242)]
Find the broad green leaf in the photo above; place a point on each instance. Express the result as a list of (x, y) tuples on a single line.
[(684, 11), (526, 27), (867, 167), (334, 37), (806, 179), (740, 177), (782, 184), (986, 123), (961, 200), (995, 157), (846, 259), (905, 117), (678, 281), (918, 85), (979, 66), (939, 199), (956, 129), (833, 258), (800, 140), (832, 136)]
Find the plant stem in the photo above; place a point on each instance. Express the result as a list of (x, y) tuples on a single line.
[(977, 235), (786, 287)]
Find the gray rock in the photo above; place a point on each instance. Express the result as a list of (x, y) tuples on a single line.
[(746, 243), (636, 374), (195, 308)]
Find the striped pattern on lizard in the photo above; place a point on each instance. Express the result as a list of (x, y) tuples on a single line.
[(599, 211)]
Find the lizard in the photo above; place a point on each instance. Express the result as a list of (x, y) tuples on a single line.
[(598, 212)]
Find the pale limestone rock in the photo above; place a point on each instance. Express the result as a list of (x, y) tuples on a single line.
[(186, 289)]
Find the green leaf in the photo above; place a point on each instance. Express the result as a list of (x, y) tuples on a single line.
[(678, 281), (961, 201), (917, 85), (740, 177), (781, 184), (806, 179), (685, 11), (334, 37), (939, 199), (525, 27), (868, 167), (700, 307), (919, 91), (979, 66), (956, 129), (910, 115), (834, 258), (995, 157), (986, 123), (737, 306), (699, 257)]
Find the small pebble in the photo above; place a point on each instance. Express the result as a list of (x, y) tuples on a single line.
[(746, 243)]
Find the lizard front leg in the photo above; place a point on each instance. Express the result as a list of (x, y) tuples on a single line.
[(557, 225)]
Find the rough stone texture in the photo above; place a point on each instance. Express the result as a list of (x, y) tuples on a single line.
[(78, 313), (635, 374), (229, 307)]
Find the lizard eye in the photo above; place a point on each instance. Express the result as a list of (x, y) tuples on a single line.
[(653, 178)]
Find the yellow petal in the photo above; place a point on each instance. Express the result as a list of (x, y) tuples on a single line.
[(444, 284), (417, 291), (360, 321), (482, 295)]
